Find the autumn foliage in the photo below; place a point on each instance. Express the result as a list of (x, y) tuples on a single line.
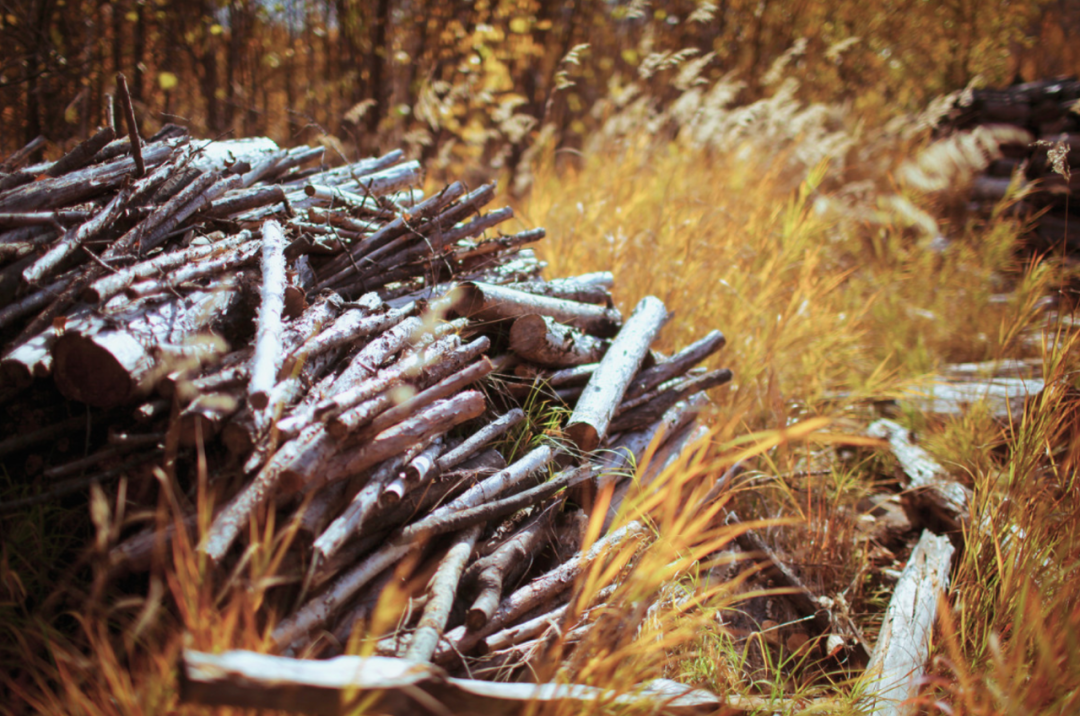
[(478, 82)]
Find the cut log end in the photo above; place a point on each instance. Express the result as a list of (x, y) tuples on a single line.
[(528, 332), (584, 436), (237, 439), (468, 299), (476, 619), (18, 375), (104, 370)]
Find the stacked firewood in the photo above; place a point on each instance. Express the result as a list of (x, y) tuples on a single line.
[(1046, 112), (333, 346)]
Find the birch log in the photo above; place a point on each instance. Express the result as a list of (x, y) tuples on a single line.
[(358, 510), (350, 327), (947, 502), (490, 302), (409, 538), (83, 153), (609, 382), (483, 255), (903, 644), (411, 367), (586, 288), (42, 218), (108, 362), (441, 390), (300, 464), (132, 125), (675, 366), (347, 264), (504, 565), (75, 238), (402, 687), (644, 409), (32, 359), (472, 445), (310, 474), (230, 261), (543, 588), (319, 610), (442, 590), (543, 341), (108, 286), (82, 184), (21, 155), (266, 361), (227, 524)]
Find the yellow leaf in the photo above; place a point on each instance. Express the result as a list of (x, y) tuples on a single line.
[(216, 29), (167, 80), (519, 25), (132, 16)]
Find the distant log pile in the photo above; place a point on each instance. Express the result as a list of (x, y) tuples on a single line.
[(333, 347), (1047, 112)]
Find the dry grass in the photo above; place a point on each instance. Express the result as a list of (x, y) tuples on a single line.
[(834, 294), (829, 280)]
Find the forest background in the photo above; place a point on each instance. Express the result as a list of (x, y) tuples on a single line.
[(470, 83)]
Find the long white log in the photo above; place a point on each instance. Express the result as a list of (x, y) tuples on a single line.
[(903, 644), (609, 382), (400, 686), (267, 359)]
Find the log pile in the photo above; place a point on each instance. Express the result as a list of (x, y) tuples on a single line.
[(336, 350), (1045, 112), (368, 374)]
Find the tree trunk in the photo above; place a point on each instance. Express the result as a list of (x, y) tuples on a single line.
[(138, 43), (118, 12), (379, 57)]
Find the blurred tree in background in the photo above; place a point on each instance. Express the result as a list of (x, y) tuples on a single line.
[(478, 81)]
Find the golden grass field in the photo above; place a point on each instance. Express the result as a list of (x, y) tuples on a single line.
[(798, 232), (831, 297)]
